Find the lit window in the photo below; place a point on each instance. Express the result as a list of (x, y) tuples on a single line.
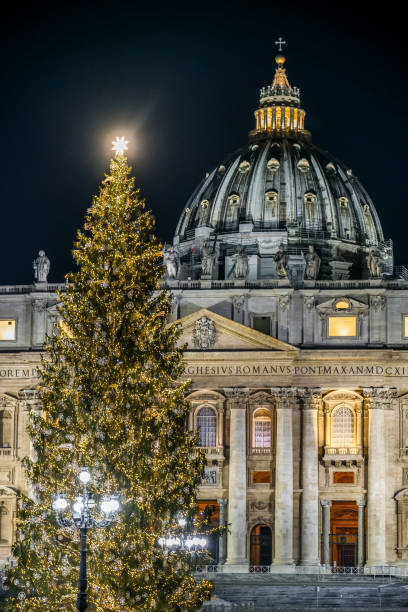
[(342, 305), (271, 198), (244, 167), (7, 329), (342, 326), (206, 426), (405, 326), (205, 204), (342, 427), (303, 165), (233, 199), (309, 198), (273, 165), (343, 201), (262, 429)]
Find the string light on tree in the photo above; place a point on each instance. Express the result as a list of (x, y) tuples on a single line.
[(120, 145)]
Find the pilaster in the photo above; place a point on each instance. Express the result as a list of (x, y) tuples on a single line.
[(377, 400), (237, 558), (283, 532), (310, 481)]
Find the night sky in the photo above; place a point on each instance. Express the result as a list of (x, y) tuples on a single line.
[(182, 82)]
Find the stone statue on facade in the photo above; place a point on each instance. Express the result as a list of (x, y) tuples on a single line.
[(41, 267), (312, 263), (207, 259), (170, 260), (281, 260), (204, 333), (374, 263), (240, 259)]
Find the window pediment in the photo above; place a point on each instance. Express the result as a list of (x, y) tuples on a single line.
[(338, 305)]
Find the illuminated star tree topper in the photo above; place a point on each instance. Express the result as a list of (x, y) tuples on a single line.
[(120, 145)]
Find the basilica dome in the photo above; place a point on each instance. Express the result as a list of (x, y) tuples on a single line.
[(282, 189)]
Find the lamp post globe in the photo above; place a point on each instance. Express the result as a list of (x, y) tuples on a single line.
[(83, 519)]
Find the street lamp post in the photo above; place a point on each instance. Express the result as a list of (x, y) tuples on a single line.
[(190, 543), (82, 519)]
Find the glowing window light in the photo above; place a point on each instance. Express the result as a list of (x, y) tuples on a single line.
[(342, 327), (405, 326), (120, 145), (342, 305), (7, 329)]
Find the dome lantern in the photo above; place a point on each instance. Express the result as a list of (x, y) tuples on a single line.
[(279, 112)]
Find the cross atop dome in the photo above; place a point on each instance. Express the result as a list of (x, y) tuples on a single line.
[(279, 43)]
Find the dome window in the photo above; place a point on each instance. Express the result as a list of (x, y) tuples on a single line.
[(234, 199), (244, 166), (309, 198), (331, 168), (297, 146), (254, 147), (273, 165), (188, 210), (205, 204), (271, 199), (303, 165), (221, 169), (366, 209), (343, 201)]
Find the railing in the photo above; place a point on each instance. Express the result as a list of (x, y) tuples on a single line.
[(205, 569), (212, 450), (351, 450), (259, 569), (6, 452), (260, 451)]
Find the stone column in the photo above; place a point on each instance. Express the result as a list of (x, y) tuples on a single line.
[(38, 329), (377, 400), (222, 539), (310, 479), (326, 531), (360, 537), (283, 528), (237, 560)]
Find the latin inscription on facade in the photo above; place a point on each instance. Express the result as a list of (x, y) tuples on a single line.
[(263, 369), (28, 372)]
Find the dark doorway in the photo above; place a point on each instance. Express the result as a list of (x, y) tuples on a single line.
[(261, 545)]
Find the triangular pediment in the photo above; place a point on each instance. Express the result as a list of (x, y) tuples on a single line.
[(353, 306), (207, 331)]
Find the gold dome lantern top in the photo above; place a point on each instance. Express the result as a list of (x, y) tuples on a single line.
[(279, 112)]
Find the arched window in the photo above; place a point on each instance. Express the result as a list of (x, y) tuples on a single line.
[(6, 429), (207, 426), (342, 427), (262, 429)]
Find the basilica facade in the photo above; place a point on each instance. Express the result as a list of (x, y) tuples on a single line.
[(296, 326)]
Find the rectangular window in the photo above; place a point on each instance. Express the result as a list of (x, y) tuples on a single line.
[(7, 329), (262, 324), (343, 477), (261, 477), (342, 327), (405, 326)]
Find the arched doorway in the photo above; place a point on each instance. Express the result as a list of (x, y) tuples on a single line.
[(261, 545)]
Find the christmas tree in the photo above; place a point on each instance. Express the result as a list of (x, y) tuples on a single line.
[(112, 400)]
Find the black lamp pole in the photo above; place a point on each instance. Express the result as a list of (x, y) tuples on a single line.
[(83, 520)]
